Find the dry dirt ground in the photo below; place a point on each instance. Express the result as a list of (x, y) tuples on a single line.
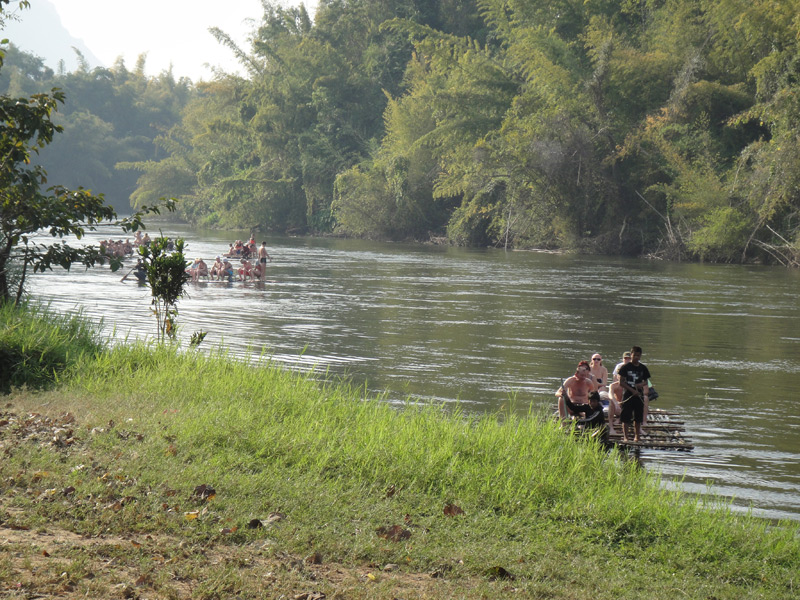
[(56, 563), (53, 562)]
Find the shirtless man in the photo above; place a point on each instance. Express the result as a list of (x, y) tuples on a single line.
[(614, 404), (578, 387), (263, 255), (216, 268), (246, 270), (227, 270), (258, 271), (201, 269)]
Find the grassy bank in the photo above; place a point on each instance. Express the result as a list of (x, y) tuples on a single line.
[(36, 345), (318, 488)]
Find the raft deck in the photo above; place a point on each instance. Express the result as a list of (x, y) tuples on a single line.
[(663, 430)]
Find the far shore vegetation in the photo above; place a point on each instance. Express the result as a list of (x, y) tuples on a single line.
[(665, 129), (151, 470)]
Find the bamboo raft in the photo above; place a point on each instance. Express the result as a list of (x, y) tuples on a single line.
[(664, 430)]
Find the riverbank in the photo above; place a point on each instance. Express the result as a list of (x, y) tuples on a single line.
[(151, 472)]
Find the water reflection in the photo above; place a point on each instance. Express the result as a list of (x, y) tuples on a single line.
[(477, 327)]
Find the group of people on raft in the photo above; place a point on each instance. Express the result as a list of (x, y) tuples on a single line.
[(223, 269), (584, 395), (123, 248), (240, 249)]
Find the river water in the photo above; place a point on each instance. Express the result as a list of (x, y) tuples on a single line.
[(486, 328)]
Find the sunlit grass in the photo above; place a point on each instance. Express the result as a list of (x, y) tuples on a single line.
[(37, 345), (332, 465)]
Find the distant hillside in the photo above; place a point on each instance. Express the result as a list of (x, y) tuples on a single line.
[(40, 32)]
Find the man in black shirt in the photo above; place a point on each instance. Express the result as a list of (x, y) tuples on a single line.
[(633, 379)]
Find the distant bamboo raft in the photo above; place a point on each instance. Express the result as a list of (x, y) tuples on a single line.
[(663, 431)]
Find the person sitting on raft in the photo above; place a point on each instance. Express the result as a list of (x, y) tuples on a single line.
[(246, 270), (599, 374), (578, 387), (626, 358), (139, 271), (191, 270), (216, 268), (614, 404), (227, 270), (200, 270), (593, 417)]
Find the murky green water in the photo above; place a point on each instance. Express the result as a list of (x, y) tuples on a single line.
[(478, 327)]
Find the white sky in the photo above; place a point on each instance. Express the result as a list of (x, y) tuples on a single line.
[(170, 31)]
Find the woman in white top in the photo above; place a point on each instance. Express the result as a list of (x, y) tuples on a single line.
[(600, 378)]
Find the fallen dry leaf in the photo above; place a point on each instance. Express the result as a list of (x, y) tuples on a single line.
[(395, 533), (205, 492), (498, 572), (451, 510)]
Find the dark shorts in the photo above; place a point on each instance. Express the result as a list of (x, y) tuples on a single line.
[(632, 410), (263, 260)]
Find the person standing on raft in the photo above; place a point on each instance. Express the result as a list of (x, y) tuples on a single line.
[(633, 379)]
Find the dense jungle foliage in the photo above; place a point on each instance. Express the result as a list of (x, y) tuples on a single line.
[(110, 116), (662, 127)]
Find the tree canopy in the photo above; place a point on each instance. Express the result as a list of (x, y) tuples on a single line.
[(33, 219), (108, 116), (661, 127)]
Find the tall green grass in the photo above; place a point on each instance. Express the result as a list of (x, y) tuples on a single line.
[(326, 454), (155, 422), (36, 345)]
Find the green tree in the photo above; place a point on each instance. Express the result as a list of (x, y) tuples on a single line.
[(29, 215), (166, 276)]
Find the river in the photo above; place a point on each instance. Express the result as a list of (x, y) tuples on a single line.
[(486, 328)]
